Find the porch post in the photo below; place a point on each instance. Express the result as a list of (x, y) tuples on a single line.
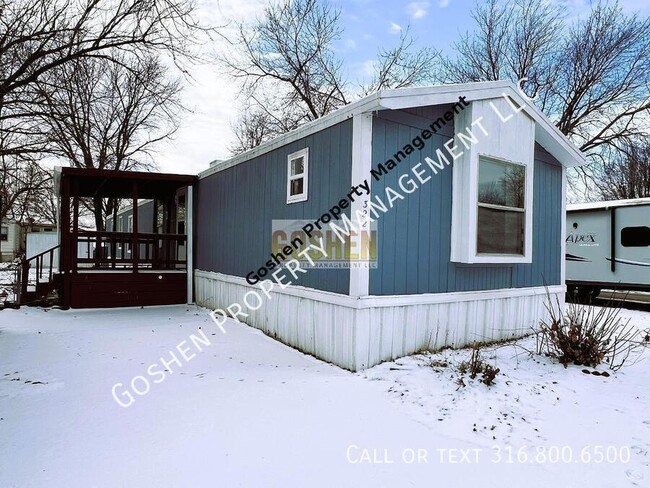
[(135, 247), (64, 250), (74, 251), (189, 251)]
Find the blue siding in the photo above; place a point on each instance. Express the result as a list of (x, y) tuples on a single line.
[(414, 238), (235, 206), (145, 219)]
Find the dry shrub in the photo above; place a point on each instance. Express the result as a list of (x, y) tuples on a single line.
[(475, 366), (587, 335)]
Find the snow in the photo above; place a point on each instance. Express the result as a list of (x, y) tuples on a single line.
[(7, 278), (248, 411)]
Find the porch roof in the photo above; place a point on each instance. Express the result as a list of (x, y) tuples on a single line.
[(111, 183)]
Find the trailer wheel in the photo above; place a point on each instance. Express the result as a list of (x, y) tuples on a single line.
[(582, 294)]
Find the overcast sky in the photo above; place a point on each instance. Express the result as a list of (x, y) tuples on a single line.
[(205, 133)]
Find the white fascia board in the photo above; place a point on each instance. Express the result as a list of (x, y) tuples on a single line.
[(548, 136), (367, 104), (546, 133), (440, 95)]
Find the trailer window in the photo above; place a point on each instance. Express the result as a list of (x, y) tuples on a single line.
[(501, 208), (635, 236)]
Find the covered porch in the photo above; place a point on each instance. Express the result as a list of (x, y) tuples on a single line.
[(146, 260)]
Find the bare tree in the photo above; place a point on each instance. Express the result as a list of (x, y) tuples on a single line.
[(291, 44), (21, 179), (109, 114), (39, 36), (290, 73), (252, 128), (402, 66), (262, 116), (626, 172), (591, 76)]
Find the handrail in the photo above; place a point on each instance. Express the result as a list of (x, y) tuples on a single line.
[(43, 253), (25, 265)]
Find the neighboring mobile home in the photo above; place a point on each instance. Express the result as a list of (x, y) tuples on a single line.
[(457, 253), (11, 241)]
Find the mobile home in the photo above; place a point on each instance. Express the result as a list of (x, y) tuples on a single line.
[(411, 219), (11, 240), (608, 246), (458, 253)]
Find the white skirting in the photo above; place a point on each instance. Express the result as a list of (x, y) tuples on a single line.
[(359, 333)]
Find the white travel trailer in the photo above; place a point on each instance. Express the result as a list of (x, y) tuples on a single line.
[(608, 246)]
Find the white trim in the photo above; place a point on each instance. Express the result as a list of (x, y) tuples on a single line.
[(375, 301), (456, 297), (464, 228), (546, 133), (527, 256), (632, 202), (299, 197), (189, 251), (367, 104), (563, 229), (361, 166)]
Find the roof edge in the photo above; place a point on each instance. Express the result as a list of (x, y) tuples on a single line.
[(549, 135)]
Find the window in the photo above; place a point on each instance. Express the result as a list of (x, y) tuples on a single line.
[(4, 233), (635, 236), (501, 207), (297, 176), (129, 223), (120, 224)]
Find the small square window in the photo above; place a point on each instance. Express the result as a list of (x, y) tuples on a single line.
[(297, 176)]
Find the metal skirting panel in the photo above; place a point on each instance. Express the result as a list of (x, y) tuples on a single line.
[(358, 334), (402, 330), (318, 328)]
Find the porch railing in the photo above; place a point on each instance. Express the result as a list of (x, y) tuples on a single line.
[(123, 250), (37, 270)]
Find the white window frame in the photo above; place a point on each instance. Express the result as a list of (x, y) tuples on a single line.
[(523, 210), (301, 197), (513, 143)]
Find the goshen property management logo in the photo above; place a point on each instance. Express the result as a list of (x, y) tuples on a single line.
[(358, 250)]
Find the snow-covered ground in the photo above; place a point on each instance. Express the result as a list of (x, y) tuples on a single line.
[(248, 411), (7, 279)]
